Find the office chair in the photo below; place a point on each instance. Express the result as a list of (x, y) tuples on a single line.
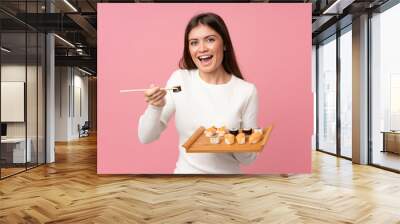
[(84, 130)]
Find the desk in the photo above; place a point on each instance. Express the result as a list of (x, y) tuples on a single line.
[(391, 141), (15, 148)]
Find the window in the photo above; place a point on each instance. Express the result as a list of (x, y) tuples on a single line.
[(385, 85), (346, 93), (327, 95)]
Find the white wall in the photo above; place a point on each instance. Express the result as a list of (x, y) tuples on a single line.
[(12, 101), (62, 78), (70, 83), (33, 127), (79, 117), (16, 73)]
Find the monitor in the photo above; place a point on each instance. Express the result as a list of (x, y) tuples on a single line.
[(3, 129)]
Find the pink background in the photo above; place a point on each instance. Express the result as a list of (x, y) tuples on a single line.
[(140, 44)]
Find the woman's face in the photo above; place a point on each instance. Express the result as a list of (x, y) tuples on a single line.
[(206, 48)]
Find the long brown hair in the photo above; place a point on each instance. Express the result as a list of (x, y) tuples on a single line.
[(215, 22)]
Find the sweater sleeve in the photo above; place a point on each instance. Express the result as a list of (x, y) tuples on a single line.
[(155, 119), (249, 120)]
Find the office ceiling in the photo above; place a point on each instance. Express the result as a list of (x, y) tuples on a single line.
[(77, 22)]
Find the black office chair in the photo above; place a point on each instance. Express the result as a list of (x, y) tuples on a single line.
[(84, 130)]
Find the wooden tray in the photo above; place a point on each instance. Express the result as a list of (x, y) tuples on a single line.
[(198, 142)]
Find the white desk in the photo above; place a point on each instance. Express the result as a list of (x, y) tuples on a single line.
[(18, 150)]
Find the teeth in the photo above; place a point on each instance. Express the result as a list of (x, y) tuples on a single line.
[(205, 57)]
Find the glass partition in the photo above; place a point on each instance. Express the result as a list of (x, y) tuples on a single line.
[(13, 109), (385, 89), (327, 95), (22, 88)]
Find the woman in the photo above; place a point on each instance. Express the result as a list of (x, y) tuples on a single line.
[(213, 94)]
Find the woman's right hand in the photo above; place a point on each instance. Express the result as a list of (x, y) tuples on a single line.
[(155, 96)]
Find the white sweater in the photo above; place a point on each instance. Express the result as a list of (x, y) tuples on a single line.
[(233, 105)]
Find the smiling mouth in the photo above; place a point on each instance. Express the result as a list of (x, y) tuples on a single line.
[(205, 59)]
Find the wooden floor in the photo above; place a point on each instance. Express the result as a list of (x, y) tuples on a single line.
[(387, 159), (70, 191), (5, 172)]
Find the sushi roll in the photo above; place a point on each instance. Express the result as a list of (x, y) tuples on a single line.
[(210, 131), (247, 131), (221, 131), (214, 139), (234, 131), (255, 137), (258, 130), (241, 138), (229, 139)]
